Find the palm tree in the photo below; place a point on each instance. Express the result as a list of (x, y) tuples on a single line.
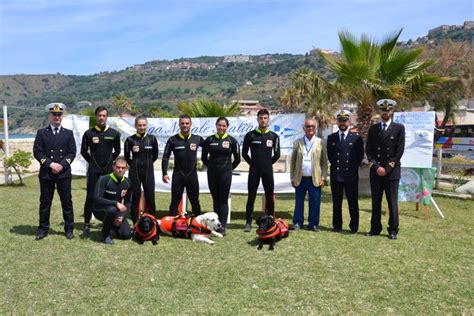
[(453, 60), (312, 94), (367, 71), (291, 98), (155, 111), (208, 108), (122, 104)]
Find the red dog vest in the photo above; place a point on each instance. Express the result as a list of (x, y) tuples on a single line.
[(278, 229), (182, 227), (152, 233)]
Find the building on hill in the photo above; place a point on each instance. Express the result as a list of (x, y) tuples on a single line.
[(236, 59), (251, 107), (468, 25), (444, 29)]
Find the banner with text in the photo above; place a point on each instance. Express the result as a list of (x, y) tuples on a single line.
[(287, 126), (419, 135)]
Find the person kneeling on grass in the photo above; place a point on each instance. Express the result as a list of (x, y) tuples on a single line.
[(112, 202)]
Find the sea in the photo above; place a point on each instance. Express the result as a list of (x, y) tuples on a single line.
[(17, 136)]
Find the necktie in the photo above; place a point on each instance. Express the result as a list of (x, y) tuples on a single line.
[(56, 131), (384, 127), (342, 137)]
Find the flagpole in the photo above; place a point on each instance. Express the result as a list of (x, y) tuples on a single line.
[(7, 144)]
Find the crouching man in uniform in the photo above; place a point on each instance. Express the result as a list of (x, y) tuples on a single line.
[(112, 202)]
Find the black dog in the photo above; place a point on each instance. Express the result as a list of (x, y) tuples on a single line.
[(146, 229), (270, 231)]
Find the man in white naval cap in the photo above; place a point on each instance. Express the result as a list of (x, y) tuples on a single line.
[(384, 149), (55, 149), (345, 153)]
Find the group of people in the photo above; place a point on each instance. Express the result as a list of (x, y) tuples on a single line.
[(345, 151), (112, 197)]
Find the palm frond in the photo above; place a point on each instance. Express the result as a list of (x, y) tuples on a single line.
[(424, 84), (388, 44), (208, 108)]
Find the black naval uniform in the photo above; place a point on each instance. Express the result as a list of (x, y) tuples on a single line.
[(185, 175), (100, 147), (108, 191), (264, 152), (59, 148), (141, 151), (217, 155), (385, 149), (345, 158)]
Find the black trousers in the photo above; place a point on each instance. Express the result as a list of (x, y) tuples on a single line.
[(255, 174), (219, 185), (92, 177), (352, 195), (138, 178), (108, 215), (191, 183), (378, 186), (46, 198)]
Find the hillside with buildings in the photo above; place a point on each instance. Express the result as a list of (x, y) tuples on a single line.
[(162, 84)]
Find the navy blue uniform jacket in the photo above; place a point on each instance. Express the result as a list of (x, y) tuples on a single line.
[(345, 158), (386, 149), (50, 148)]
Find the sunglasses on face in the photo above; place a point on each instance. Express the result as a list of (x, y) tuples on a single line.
[(57, 114), (309, 126)]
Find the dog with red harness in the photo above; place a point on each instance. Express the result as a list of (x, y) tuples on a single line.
[(146, 229), (199, 228), (270, 230)]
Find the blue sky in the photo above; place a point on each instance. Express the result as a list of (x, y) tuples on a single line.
[(89, 36)]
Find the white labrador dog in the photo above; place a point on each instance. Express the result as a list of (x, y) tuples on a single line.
[(199, 228)]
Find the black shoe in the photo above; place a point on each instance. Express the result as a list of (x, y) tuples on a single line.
[(247, 227), (108, 240), (40, 235), (86, 232), (371, 234), (353, 232), (69, 235), (336, 230), (392, 236)]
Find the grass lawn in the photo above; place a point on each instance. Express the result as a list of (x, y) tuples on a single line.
[(429, 269)]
